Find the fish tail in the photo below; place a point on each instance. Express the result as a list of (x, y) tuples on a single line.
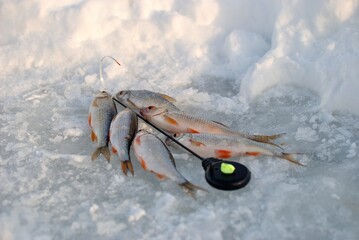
[(289, 157), (126, 167), (101, 150), (191, 189)]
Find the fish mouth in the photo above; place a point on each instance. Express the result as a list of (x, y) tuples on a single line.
[(143, 112)]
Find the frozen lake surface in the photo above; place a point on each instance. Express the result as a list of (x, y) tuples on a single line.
[(258, 66)]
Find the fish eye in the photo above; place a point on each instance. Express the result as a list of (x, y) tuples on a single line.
[(121, 92), (150, 107), (175, 135)]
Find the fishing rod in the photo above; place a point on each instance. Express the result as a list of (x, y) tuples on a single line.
[(220, 174)]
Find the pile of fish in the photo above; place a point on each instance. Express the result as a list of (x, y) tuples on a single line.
[(205, 137)]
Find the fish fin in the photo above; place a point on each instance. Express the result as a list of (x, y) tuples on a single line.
[(160, 176), (266, 138), (222, 153), (196, 143), (143, 163), (289, 157), (93, 136), (191, 189), (170, 120), (191, 130), (101, 150), (127, 166), (254, 154), (168, 98), (138, 140), (220, 124), (89, 120), (114, 150), (94, 103)]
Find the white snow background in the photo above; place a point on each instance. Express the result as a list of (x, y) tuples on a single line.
[(256, 65)]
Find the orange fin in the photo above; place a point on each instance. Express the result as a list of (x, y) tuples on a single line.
[(89, 120), (93, 136), (253, 153), (160, 176), (127, 166), (114, 150), (223, 153), (191, 130), (170, 120), (138, 140), (198, 144), (143, 163)]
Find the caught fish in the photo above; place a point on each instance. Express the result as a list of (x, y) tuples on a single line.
[(155, 157), (181, 122), (137, 99), (101, 113), (224, 146), (122, 131)]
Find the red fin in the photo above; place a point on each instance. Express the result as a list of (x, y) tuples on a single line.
[(223, 153), (114, 150), (160, 176), (170, 120), (93, 136), (253, 153), (143, 163), (138, 140), (198, 144), (191, 130), (89, 120)]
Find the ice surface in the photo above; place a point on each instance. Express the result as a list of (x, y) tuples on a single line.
[(259, 66)]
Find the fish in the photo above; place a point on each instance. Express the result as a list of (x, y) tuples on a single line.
[(225, 147), (182, 122), (123, 129), (154, 156), (101, 112), (137, 99)]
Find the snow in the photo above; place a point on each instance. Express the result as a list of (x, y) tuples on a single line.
[(259, 66)]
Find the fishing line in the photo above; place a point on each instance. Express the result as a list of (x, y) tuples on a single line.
[(100, 70)]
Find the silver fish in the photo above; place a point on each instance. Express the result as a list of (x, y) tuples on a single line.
[(224, 146), (101, 113), (155, 157), (122, 131), (181, 122), (137, 99)]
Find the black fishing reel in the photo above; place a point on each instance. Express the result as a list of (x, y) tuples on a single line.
[(225, 175)]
